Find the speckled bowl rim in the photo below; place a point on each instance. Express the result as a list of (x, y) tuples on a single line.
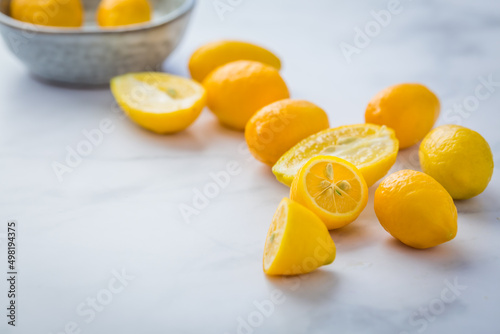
[(182, 10)]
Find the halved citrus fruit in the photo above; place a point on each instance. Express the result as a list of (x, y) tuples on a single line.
[(159, 102), (332, 188), (371, 148), (297, 242)]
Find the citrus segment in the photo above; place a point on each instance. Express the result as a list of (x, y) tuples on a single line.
[(297, 241)]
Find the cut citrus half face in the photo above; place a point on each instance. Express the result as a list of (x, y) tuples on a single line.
[(159, 102), (297, 241), (371, 148), (332, 188)]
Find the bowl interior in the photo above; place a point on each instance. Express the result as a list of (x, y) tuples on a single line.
[(162, 9)]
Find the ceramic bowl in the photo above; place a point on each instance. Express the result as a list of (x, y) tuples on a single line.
[(91, 55)]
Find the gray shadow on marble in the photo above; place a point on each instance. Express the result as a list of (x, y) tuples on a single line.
[(314, 287), (364, 232), (447, 256), (483, 203), (200, 136), (59, 84), (352, 237), (29, 79), (28, 87), (183, 141), (266, 173), (407, 159), (214, 126)]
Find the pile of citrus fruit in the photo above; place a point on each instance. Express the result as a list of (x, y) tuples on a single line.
[(70, 13), (329, 170)]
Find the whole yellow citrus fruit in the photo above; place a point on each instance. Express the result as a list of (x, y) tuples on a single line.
[(277, 127), (115, 13), (68, 13), (159, 102), (332, 188), (212, 55), (410, 109), (415, 209), (237, 90), (297, 241), (458, 158)]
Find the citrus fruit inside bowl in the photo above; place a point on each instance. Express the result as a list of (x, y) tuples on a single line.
[(90, 55)]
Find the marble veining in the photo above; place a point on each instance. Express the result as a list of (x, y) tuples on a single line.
[(114, 218)]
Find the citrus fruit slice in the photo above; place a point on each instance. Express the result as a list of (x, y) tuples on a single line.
[(371, 148), (297, 242), (159, 102), (332, 188), (214, 54), (415, 209)]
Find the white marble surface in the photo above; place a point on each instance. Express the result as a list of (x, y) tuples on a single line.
[(119, 208)]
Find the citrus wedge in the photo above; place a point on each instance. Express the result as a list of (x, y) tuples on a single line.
[(371, 148), (159, 102), (332, 188), (297, 242)]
